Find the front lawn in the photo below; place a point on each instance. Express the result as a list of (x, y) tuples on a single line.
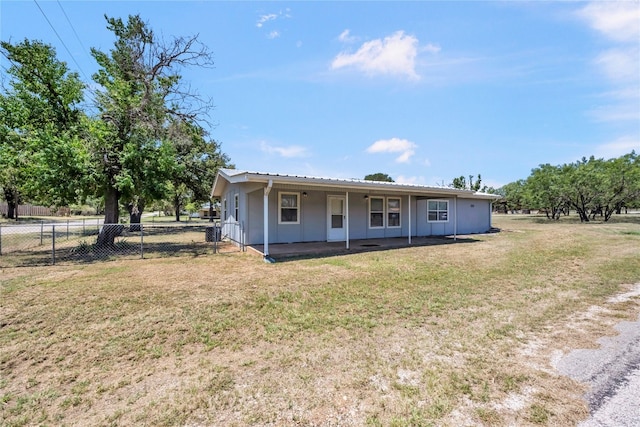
[(448, 335)]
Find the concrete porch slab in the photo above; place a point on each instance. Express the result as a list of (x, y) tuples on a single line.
[(284, 251)]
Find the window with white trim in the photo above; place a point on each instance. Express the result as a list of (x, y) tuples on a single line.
[(289, 208), (437, 210), (236, 206), (376, 212), (393, 212)]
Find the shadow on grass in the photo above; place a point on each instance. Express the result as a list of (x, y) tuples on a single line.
[(90, 253)]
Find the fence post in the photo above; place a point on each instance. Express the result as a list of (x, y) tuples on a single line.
[(83, 230), (67, 229), (53, 244), (0, 240), (41, 231), (141, 241), (215, 239)]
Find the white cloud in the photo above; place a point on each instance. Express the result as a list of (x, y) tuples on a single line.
[(618, 147), (617, 112), (288, 152), (265, 18), (405, 147), (431, 48), (617, 20), (393, 55), (621, 64), (346, 37)]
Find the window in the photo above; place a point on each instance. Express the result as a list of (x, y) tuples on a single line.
[(224, 209), (437, 210), (289, 208), (376, 212), (236, 206), (393, 212)]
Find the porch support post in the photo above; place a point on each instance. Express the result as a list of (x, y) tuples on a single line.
[(490, 214), (455, 216), (409, 205), (347, 218), (265, 233)]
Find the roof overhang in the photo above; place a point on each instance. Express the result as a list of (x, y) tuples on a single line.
[(233, 176)]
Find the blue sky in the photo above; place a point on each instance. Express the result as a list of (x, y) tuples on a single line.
[(422, 91)]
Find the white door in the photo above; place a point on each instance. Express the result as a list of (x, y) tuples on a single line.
[(336, 218)]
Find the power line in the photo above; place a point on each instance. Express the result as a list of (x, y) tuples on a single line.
[(61, 41), (88, 87), (72, 27)]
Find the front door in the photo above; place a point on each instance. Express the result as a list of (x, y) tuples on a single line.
[(336, 218)]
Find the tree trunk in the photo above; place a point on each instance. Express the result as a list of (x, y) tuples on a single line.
[(135, 215), (12, 210), (12, 198), (177, 206), (111, 229)]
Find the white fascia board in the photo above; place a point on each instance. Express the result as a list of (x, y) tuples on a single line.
[(484, 196)]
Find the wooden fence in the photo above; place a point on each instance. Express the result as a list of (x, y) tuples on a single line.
[(32, 210)]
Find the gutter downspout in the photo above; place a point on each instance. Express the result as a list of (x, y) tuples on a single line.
[(409, 203), (347, 218), (455, 221), (265, 204)]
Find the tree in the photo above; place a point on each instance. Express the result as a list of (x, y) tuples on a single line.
[(42, 154), (197, 162), (512, 196), (141, 92), (591, 187), (545, 190), (461, 183), (379, 176), (619, 186)]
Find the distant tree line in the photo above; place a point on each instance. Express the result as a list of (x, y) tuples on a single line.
[(138, 138), (593, 188)]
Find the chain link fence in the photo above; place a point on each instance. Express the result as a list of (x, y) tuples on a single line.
[(91, 241)]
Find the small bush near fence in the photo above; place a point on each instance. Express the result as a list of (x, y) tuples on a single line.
[(55, 243)]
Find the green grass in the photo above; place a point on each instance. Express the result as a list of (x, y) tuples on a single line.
[(401, 337)]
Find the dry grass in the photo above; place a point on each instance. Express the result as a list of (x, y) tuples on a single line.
[(449, 335)]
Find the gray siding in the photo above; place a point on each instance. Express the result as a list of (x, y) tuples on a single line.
[(473, 216)]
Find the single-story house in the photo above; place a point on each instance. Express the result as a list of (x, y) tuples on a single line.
[(268, 208)]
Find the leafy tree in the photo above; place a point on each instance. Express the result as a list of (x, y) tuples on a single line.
[(619, 186), (513, 198), (545, 190), (197, 162), (379, 176), (42, 154), (141, 93), (461, 183), (591, 187)]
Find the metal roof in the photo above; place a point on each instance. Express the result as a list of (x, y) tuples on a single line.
[(237, 176)]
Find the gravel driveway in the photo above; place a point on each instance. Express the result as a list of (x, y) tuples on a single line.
[(613, 374)]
